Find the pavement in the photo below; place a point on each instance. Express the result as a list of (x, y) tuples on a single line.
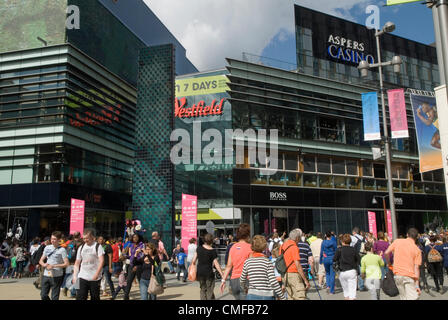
[(23, 289)]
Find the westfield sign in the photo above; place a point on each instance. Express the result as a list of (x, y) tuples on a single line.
[(197, 110)]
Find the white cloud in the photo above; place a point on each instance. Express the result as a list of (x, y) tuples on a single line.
[(211, 30)]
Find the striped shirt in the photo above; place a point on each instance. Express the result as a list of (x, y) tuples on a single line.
[(259, 272), (305, 252)]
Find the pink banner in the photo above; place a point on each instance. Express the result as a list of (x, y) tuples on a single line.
[(389, 225), (372, 223), (397, 114), (77, 210), (189, 220)]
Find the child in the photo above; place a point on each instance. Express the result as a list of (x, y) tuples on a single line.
[(273, 258), (121, 283), (180, 260), (371, 265)]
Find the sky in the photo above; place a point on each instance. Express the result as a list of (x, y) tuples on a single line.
[(211, 30)]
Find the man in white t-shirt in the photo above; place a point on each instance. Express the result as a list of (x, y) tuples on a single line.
[(88, 267)]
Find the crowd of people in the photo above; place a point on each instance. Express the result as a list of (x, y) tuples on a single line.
[(277, 267), (258, 267), (85, 265)]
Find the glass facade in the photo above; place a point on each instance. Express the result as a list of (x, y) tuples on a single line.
[(325, 169), (66, 130)]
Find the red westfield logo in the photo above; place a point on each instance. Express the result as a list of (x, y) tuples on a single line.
[(197, 110)]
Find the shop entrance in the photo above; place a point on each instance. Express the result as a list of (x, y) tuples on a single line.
[(269, 220)]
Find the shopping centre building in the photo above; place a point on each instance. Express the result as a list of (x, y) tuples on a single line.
[(68, 109), (327, 179), (85, 116)]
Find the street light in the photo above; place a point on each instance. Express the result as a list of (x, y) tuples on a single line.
[(364, 66)]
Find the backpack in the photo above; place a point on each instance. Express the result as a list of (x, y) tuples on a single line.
[(434, 255), (35, 258), (388, 285), (71, 252), (360, 246), (160, 277), (280, 263)]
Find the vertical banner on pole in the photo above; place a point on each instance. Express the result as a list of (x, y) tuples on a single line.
[(372, 223), (389, 225), (77, 209), (371, 116), (426, 118), (442, 106), (397, 114), (189, 219)]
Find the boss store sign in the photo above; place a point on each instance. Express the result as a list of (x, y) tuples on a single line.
[(347, 50)]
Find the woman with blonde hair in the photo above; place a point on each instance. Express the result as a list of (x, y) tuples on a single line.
[(258, 277)]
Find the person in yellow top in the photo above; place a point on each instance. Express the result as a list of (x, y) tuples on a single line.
[(371, 265), (430, 119)]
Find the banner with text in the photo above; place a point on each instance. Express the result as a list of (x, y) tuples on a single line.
[(426, 120), (201, 86), (77, 209), (371, 116), (189, 220), (389, 225), (372, 223), (397, 114)]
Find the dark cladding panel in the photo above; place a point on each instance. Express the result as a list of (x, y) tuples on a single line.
[(152, 200)]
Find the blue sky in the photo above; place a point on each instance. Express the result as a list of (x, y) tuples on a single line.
[(211, 30), (413, 20)]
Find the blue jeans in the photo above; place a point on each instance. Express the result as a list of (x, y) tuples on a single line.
[(181, 268), (170, 265), (6, 265), (144, 284), (361, 283), (144, 295), (255, 297), (117, 267), (108, 277), (329, 273)]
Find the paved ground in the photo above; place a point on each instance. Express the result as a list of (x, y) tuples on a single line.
[(23, 289)]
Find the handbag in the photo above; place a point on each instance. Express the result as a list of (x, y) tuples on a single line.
[(154, 287), (388, 285), (192, 271)]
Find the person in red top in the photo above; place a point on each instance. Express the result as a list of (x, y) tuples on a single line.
[(238, 254), (116, 263), (295, 280)]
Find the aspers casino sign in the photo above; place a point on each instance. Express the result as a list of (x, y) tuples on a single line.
[(348, 50)]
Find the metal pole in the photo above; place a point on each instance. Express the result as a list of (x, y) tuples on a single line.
[(385, 215), (442, 8), (435, 14), (7, 224), (387, 144)]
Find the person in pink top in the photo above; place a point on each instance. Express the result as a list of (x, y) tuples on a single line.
[(238, 254)]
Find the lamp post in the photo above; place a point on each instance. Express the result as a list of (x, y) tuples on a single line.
[(364, 66)]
